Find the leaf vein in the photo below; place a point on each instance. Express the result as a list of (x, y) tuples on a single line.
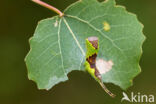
[(45, 50), (73, 35), (97, 31), (59, 29)]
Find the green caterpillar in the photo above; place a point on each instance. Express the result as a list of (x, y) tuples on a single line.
[(92, 46)]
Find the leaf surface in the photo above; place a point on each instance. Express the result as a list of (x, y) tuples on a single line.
[(58, 45)]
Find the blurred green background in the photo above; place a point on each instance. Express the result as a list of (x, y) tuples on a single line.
[(18, 19)]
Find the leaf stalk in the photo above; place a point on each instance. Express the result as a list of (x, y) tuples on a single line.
[(49, 7)]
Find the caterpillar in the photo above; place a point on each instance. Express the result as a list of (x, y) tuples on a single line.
[(92, 48)]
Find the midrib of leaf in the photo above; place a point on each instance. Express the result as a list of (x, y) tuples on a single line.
[(105, 36), (74, 37)]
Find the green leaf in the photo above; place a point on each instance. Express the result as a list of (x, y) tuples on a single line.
[(58, 45)]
